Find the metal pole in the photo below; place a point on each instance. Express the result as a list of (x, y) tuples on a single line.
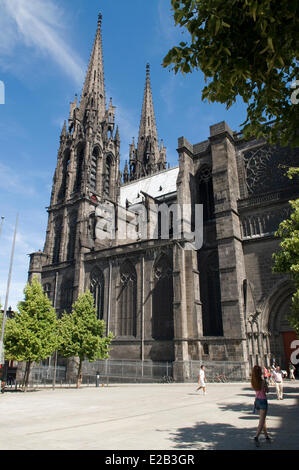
[(142, 314), (8, 287), (109, 297), (55, 354)]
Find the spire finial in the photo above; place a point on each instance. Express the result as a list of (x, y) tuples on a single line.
[(94, 82), (147, 70)]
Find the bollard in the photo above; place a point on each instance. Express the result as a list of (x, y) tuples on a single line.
[(97, 379)]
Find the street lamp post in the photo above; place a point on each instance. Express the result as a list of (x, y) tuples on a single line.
[(55, 354), (2, 360)]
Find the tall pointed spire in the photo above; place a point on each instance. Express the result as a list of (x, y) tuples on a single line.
[(147, 158), (93, 94), (148, 136)]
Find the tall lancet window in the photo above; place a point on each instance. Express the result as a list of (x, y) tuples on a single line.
[(47, 289), (57, 239), (72, 236), (205, 193), (107, 175), (66, 296), (97, 290), (210, 294), (93, 170), (127, 301), (162, 300), (80, 160), (65, 165)]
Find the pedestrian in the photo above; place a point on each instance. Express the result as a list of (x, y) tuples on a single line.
[(278, 379), (292, 371), (266, 374), (270, 379), (260, 403), (202, 379)]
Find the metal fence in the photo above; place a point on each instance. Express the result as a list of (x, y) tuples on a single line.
[(100, 372), (127, 371), (217, 371)]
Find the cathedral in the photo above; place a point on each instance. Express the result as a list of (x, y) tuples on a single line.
[(165, 298)]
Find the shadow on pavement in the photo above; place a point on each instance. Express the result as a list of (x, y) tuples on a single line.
[(225, 436), (219, 436)]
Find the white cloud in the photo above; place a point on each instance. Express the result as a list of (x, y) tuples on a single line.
[(22, 181), (38, 24), (168, 94), (15, 182), (167, 34)]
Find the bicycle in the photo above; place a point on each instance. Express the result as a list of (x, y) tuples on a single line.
[(221, 378), (166, 379)]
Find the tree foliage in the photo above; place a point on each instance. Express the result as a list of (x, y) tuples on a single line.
[(287, 259), (246, 48), (82, 334), (32, 334)]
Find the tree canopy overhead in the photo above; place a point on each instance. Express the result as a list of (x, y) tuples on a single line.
[(287, 259), (246, 48)]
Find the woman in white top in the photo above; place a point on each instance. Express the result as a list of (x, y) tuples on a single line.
[(278, 378), (202, 380)]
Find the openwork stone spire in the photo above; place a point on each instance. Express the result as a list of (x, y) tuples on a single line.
[(148, 145), (147, 158), (93, 94)]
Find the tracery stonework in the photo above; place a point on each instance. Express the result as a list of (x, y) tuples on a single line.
[(266, 168)]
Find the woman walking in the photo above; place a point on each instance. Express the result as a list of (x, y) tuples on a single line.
[(261, 402)]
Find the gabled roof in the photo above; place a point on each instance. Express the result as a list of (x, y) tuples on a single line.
[(157, 185)]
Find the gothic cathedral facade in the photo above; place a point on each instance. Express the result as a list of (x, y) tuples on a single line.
[(220, 304)]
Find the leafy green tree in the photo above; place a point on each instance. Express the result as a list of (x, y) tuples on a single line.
[(82, 334), (246, 48), (32, 334), (287, 259)]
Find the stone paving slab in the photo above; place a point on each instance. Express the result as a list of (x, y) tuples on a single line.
[(147, 417)]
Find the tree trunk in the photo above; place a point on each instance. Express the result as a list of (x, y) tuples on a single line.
[(79, 377), (27, 374)]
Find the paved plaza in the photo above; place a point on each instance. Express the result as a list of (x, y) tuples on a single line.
[(154, 416)]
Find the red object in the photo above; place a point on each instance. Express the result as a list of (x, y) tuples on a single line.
[(288, 338)]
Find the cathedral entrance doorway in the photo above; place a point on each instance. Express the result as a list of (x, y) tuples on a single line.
[(281, 333)]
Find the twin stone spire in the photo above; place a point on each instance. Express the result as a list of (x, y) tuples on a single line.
[(145, 159)]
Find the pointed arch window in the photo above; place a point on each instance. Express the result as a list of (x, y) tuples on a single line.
[(127, 301), (65, 165), (92, 221), (107, 175), (47, 289), (67, 289), (210, 294), (162, 300), (206, 193), (93, 170), (72, 236), (80, 160), (97, 290), (57, 240)]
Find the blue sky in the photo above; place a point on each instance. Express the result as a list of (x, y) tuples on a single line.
[(44, 51)]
